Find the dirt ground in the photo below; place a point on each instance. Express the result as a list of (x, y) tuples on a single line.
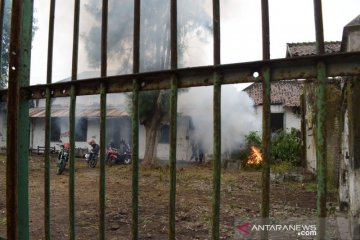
[(240, 198)]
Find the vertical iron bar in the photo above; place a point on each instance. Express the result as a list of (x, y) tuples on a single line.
[(216, 31), (215, 230), (321, 148), (266, 86), (102, 161), (72, 164), (135, 123), (135, 159), (104, 31), (320, 47), (173, 136), (136, 40), (47, 163), (217, 158), (102, 191), (12, 131), (173, 34), (265, 29), (266, 132), (320, 123), (17, 197), (74, 70), (48, 122), (173, 120)]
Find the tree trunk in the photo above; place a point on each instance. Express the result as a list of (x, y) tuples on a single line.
[(152, 129), (151, 143)]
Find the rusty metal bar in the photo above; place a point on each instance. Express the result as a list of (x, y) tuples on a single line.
[(319, 31), (320, 123), (265, 29), (102, 190), (135, 123), (344, 64), (266, 131), (173, 120), (17, 197), (215, 231), (136, 39), (50, 42), (216, 31), (72, 164), (12, 131), (48, 122), (173, 137), (173, 34), (321, 149), (135, 159), (47, 165), (74, 69), (215, 220), (104, 32)]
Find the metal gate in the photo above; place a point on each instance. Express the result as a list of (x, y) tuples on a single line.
[(317, 67)]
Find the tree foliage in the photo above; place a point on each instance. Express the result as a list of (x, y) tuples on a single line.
[(286, 146), (5, 41), (154, 49)]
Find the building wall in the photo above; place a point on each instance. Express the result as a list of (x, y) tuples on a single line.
[(291, 120), (333, 133), (37, 136), (183, 148), (3, 126)]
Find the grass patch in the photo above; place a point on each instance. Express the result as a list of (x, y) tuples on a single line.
[(312, 187), (282, 167)]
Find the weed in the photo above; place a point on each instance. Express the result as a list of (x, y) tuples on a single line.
[(282, 167)]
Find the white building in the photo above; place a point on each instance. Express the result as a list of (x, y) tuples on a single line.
[(87, 125), (285, 103)]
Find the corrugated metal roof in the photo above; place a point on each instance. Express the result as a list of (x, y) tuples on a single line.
[(309, 48), (283, 92), (39, 112)]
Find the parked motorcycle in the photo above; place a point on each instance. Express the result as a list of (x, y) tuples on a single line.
[(63, 158), (91, 158), (114, 156)]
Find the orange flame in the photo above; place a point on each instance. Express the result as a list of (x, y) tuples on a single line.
[(254, 158)]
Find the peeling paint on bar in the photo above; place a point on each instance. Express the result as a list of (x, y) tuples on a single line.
[(17, 189)]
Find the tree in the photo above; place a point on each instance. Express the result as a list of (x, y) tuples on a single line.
[(154, 50), (5, 41), (5, 44)]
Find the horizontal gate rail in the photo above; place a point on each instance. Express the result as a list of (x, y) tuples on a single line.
[(343, 64)]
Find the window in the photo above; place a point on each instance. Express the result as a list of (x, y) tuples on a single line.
[(81, 126), (277, 121), (164, 134), (55, 129)]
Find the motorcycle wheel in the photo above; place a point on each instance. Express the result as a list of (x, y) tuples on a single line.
[(110, 161), (61, 165), (127, 160), (92, 162)]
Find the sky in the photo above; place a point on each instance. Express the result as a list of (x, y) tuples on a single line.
[(290, 21)]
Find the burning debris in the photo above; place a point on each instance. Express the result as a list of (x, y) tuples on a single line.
[(254, 158)]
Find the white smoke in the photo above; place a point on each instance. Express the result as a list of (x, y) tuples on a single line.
[(238, 116)]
